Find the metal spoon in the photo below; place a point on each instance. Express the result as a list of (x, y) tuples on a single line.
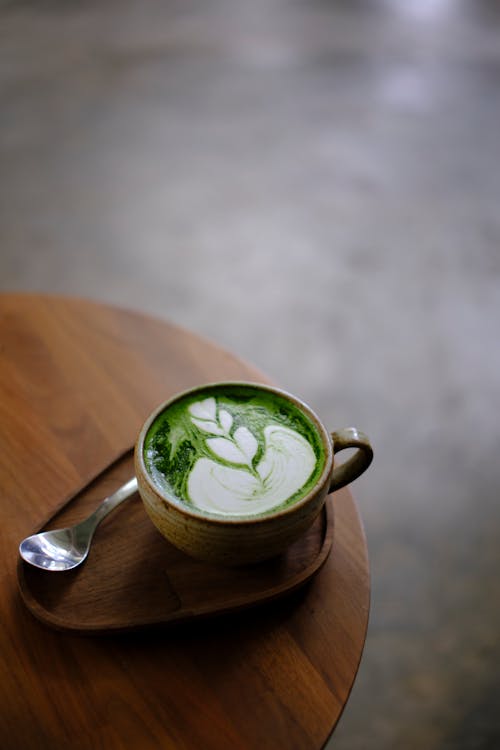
[(63, 549)]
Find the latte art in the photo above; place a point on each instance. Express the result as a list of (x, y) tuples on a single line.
[(287, 463), (234, 454)]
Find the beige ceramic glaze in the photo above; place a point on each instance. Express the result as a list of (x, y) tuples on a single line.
[(239, 541)]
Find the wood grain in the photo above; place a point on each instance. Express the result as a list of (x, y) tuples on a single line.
[(76, 381), (133, 578)]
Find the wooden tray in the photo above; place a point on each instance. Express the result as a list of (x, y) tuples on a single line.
[(133, 578)]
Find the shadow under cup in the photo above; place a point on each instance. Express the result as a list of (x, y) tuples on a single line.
[(233, 473)]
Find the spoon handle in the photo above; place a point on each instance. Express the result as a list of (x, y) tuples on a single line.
[(109, 504)]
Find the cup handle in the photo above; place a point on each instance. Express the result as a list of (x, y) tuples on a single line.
[(351, 469)]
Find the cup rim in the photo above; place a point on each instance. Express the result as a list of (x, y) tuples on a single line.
[(193, 512)]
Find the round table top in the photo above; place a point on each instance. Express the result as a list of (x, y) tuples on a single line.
[(77, 379)]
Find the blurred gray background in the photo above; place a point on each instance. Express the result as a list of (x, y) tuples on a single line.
[(314, 185)]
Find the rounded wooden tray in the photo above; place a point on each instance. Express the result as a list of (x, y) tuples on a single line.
[(133, 578)]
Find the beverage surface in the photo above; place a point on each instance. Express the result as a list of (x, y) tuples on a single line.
[(238, 451)]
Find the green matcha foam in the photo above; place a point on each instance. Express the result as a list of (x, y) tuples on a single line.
[(234, 451)]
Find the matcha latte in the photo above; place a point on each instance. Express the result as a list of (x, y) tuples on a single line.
[(235, 450)]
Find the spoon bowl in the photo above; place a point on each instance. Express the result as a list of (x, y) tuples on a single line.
[(65, 549)]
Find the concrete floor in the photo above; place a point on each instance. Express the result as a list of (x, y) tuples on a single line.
[(315, 186)]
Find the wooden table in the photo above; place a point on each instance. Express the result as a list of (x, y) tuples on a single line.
[(76, 381)]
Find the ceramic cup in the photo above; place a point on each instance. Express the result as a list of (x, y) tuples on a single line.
[(260, 478)]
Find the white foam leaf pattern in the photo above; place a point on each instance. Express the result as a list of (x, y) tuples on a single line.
[(211, 427), (206, 409), (227, 450), (246, 442), (287, 463), (225, 420)]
